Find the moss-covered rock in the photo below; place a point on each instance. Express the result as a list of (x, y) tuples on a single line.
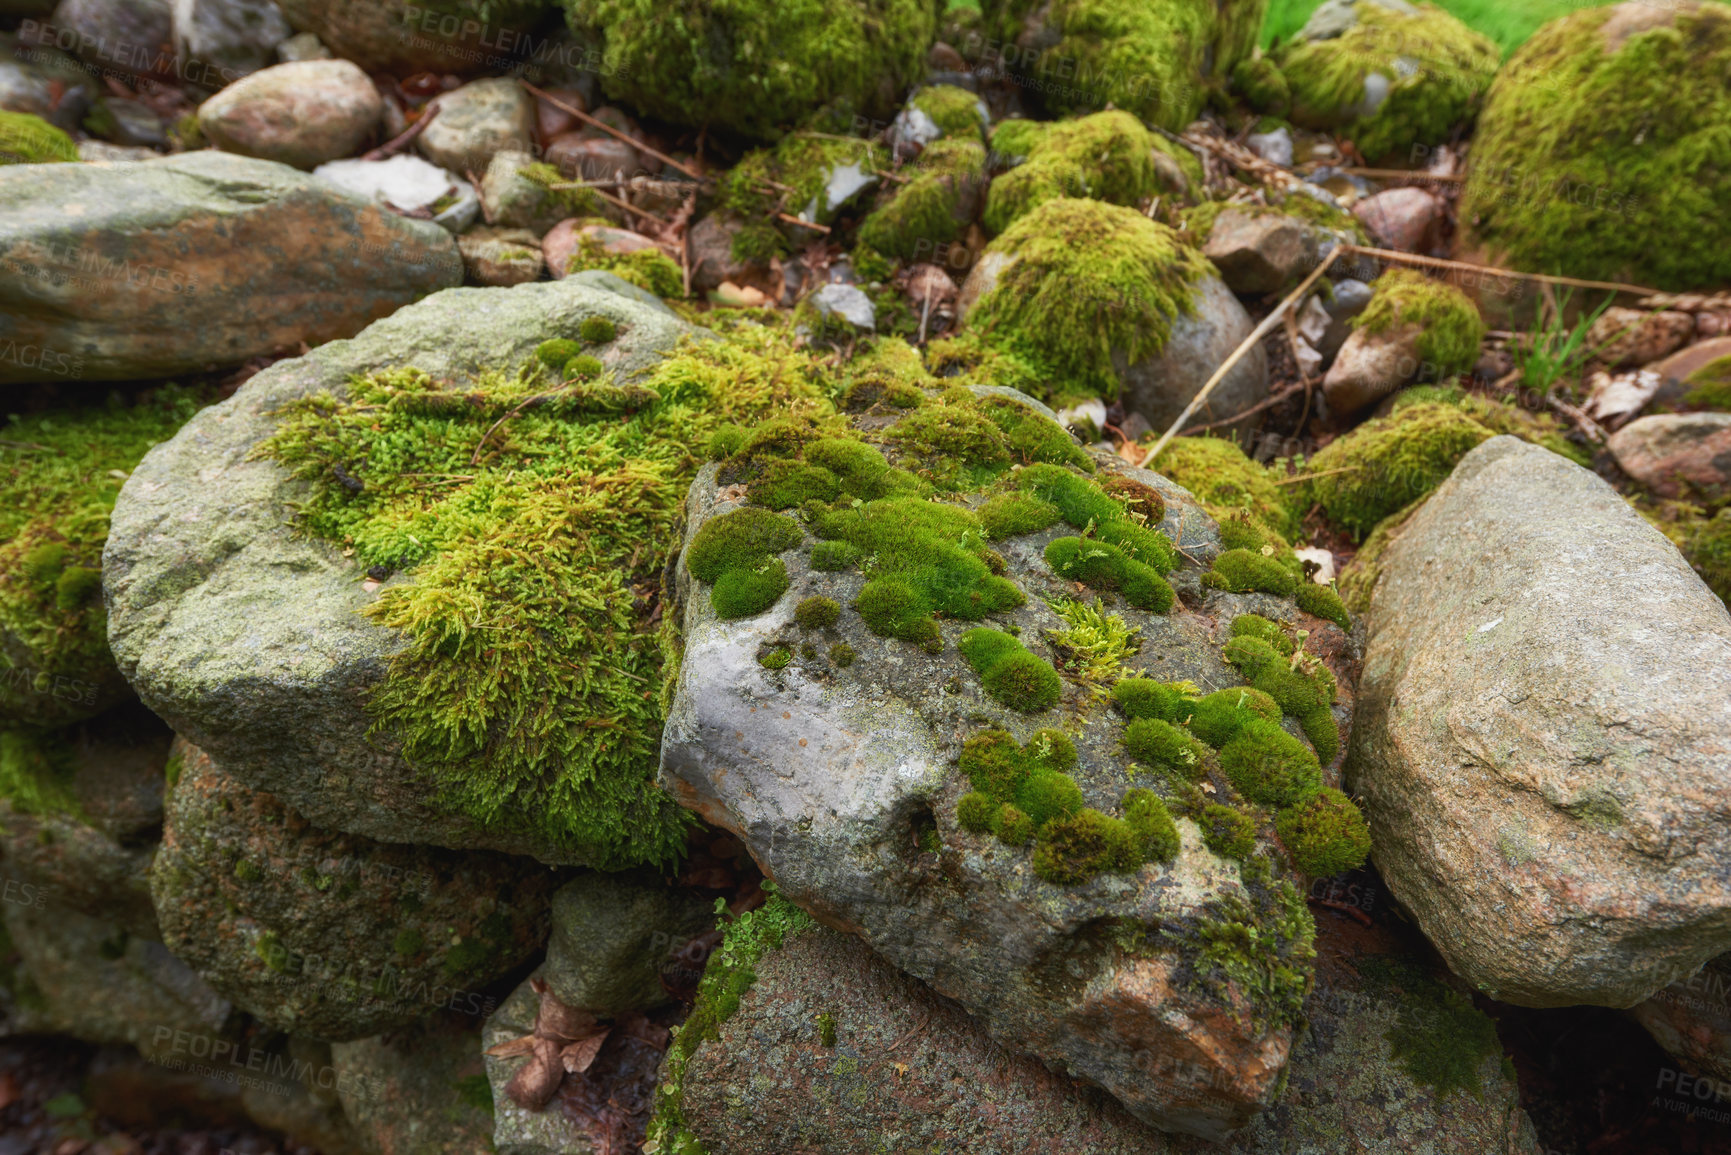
[(1395, 76), (936, 204), (27, 139), (759, 66), (60, 473), (1156, 60), (809, 176), (417, 1088), (1108, 156), (1095, 299), (1594, 156), (332, 935)]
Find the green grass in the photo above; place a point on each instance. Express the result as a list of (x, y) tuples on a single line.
[(1508, 22)]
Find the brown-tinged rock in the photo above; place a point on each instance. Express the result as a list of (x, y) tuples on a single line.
[(1622, 337), (1400, 218), (1370, 367), (1676, 454), (1261, 252), (195, 262), (1674, 371), (1543, 740), (297, 114), (495, 256)]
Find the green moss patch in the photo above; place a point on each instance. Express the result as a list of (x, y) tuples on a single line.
[(1710, 385), (1010, 672), (1390, 462), (1085, 281), (1258, 947), (754, 68), (1325, 833), (1605, 164), (529, 689), (1440, 1039), (1094, 644), (649, 269), (1106, 157), (934, 207), (60, 473), (736, 553), (27, 139), (1435, 69), (1452, 327), (1301, 685)]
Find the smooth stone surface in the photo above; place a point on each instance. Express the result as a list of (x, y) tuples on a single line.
[(1676, 454), (408, 185), (1262, 252), (476, 121), (195, 262), (1674, 371), (1543, 747), (328, 935), (611, 935), (247, 637), (514, 201), (297, 114), (403, 37), (1370, 366), (1399, 218)]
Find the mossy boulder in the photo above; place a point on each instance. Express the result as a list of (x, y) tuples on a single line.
[(60, 473), (935, 207), (269, 656), (1156, 60), (193, 262), (27, 139), (1593, 156), (1414, 327), (1099, 301), (332, 935), (1536, 759), (1388, 73), (81, 814), (922, 794), (809, 1056), (1108, 156), (756, 68)]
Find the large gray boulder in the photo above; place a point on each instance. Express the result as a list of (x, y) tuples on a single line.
[(840, 775), (833, 1051), (195, 262), (1544, 740), (247, 637)]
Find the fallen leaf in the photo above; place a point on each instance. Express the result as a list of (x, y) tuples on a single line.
[(511, 1048), (561, 1023), (536, 1081), (579, 1057)]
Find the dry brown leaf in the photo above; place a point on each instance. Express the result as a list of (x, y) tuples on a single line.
[(511, 1048), (579, 1057), (536, 1081), (559, 1022)]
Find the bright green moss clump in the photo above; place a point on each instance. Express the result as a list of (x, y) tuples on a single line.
[(1299, 686), (1106, 567), (1010, 673), (1325, 834), (1227, 832), (1076, 848), (934, 207), (1597, 153), (1094, 644), (754, 68), (36, 772), (598, 330), (817, 613), (1106, 157), (727, 978), (1330, 80), (649, 269), (1452, 327), (1146, 698), (1389, 462), (736, 554), (60, 472), (1268, 765), (1244, 572), (555, 534), (1146, 58), (1159, 744), (1228, 483), (27, 139), (1085, 282), (957, 112), (1710, 385)]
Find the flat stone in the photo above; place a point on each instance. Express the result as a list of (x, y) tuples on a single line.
[(194, 262), (1543, 736), (297, 114), (407, 185), (477, 120)]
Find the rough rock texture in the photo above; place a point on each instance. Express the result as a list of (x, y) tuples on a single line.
[(417, 1089), (514, 201), (1691, 1018), (1622, 337), (1675, 454), (516, 1129), (194, 262), (89, 979), (611, 934), (1261, 252), (1674, 371), (297, 114), (1547, 782), (234, 37), (403, 37), (494, 256), (245, 637), (130, 37), (909, 1070), (712, 260), (832, 775), (330, 935), (476, 121), (1371, 366), (1400, 218), (95, 859)]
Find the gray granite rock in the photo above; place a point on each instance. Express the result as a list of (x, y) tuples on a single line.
[(611, 935)]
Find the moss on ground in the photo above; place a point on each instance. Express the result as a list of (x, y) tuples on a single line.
[(27, 139), (958, 113), (60, 473), (1439, 1038), (1084, 283), (1108, 157), (530, 688), (1229, 484), (1436, 70), (1452, 329), (649, 269), (1710, 385), (1260, 947), (1607, 164), (727, 978), (753, 66)]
